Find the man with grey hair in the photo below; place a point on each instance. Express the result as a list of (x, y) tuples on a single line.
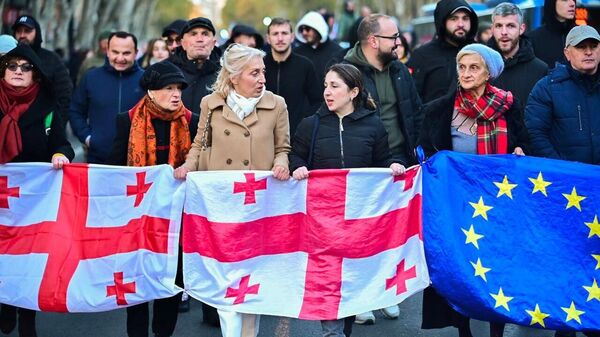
[(522, 69)]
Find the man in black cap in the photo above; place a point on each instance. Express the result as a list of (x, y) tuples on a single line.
[(27, 30), (433, 65), (172, 32), (246, 35), (198, 59)]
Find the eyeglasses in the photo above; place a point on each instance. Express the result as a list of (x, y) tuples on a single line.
[(25, 67), (392, 37)]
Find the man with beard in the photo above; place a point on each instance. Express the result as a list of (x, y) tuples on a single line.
[(198, 58), (522, 69), (389, 83), (313, 32), (434, 64), (290, 75), (27, 30), (549, 39)]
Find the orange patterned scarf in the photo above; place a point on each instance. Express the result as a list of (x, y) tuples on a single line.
[(142, 138)]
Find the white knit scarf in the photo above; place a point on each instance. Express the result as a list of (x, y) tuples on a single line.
[(241, 105)]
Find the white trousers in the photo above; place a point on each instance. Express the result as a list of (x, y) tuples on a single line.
[(235, 324)]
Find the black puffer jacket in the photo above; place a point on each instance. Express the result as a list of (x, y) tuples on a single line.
[(357, 140), (434, 64), (521, 72), (56, 72), (199, 79), (40, 143), (549, 39)]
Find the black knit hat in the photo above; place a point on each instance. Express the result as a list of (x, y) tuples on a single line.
[(161, 74), (174, 27), (198, 22)]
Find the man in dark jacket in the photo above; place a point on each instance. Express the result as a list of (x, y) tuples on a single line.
[(549, 39), (27, 30), (198, 59), (104, 92), (172, 33), (522, 69), (561, 114), (313, 32), (290, 75), (434, 64), (389, 83)]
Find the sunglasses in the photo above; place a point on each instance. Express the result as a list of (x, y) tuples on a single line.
[(392, 37), (304, 28), (173, 41), (25, 67)]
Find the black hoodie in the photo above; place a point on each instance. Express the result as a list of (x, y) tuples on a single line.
[(549, 39), (434, 65), (55, 70), (521, 72)]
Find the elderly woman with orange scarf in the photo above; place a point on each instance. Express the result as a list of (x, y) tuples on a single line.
[(475, 118), (158, 130)]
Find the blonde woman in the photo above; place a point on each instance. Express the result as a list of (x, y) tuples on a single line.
[(242, 127)]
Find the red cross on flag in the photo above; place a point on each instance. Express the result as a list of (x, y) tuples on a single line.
[(339, 243), (88, 238)]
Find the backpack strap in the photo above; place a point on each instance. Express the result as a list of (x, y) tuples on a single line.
[(313, 140)]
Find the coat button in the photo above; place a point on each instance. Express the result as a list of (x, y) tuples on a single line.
[(246, 162), (229, 161), (246, 134), (227, 132)]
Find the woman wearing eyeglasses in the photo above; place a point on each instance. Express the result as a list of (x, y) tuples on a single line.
[(30, 131)]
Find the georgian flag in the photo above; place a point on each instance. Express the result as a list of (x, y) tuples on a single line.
[(339, 243), (87, 238)]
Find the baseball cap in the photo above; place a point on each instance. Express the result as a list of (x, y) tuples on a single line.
[(579, 33), (24, 20), (198, 22), (465, 8)]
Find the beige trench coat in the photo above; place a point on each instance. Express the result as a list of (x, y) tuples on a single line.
[(259, 142)]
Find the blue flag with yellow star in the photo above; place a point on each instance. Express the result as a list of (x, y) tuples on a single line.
[(514, 239)]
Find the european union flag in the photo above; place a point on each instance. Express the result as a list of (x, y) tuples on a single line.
[(514, 239)]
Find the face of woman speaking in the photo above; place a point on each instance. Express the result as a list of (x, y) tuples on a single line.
[(472, 73), (19, 73), (168, 98), (338, 96), (251, 82)]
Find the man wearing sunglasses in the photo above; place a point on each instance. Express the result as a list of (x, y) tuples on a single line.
[(313, 33), (27, 30), (433, 65), (171, 34)]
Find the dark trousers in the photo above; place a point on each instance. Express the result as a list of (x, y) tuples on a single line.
[(165, 311), (8, 320)]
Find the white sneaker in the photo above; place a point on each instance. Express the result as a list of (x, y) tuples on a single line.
[(366, 318), (391, 312)]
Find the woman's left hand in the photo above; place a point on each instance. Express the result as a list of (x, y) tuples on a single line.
[(280, 172), (397, 169), (518, 151), (58, 161)]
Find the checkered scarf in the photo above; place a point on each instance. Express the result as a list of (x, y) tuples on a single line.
[(489, 109)]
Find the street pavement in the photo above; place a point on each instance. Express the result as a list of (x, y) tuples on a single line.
[(112, 324)]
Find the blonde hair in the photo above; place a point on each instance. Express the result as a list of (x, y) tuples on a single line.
[(233, 62)]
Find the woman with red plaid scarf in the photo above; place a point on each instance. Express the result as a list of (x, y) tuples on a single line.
[(475, 118)]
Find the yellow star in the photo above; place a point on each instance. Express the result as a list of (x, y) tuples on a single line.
[(480, 270), (472, 237), (537, 316), (593, 291), (539, 185), (480, 208), (504, 188), (594, 228), (597, 257), (573, 313), (573, 199), (501, 300)]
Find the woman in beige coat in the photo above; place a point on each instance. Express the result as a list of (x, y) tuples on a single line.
[(242, 127)]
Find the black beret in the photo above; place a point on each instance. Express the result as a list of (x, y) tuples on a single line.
[(161, 74), (198, 22)]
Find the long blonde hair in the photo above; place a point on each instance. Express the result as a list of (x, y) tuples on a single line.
[(233, 62)]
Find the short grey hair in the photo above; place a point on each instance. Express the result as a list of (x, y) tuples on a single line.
[(506, 9)]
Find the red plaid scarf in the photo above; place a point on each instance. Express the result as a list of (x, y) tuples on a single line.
[(489, 109)]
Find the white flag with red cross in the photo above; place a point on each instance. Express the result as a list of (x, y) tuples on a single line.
[(339, 243), (88, 238)]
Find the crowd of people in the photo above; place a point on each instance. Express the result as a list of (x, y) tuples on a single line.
[(321, 93)]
